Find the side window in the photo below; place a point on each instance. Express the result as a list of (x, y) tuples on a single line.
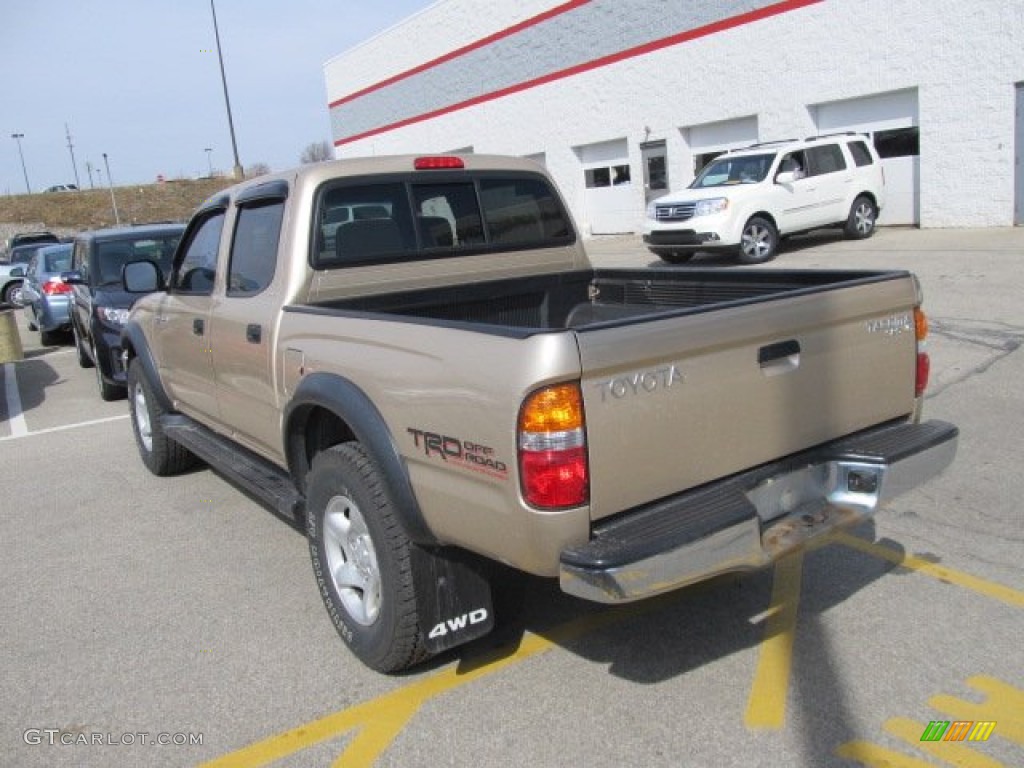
[(253, 256), (31, 268), (827, 158), (861, 155), (197, 264), (794, 162), (363, 223), (80, 261)]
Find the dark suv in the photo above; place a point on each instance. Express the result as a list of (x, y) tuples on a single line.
[(99, 305)]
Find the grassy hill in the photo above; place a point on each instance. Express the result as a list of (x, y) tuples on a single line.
[(92, 208)]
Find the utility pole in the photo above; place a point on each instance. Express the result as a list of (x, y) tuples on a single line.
[(110, 182), (238, 173), (88, 168), (71, 149)]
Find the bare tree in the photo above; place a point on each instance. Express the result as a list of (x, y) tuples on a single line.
[(257, 169), (317, 152)]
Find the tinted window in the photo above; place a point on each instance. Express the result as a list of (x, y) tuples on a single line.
[(254, 248), (197, 267), (861, 155), (56, 259), (522, 211), (364, 223), (448, 215), (111, 255), (825, 159)]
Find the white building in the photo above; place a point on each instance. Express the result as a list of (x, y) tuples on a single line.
[(621, 98)]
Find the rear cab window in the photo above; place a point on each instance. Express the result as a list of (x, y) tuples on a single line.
[(435, 215)]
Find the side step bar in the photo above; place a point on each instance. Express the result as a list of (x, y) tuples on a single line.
[(254, 474)]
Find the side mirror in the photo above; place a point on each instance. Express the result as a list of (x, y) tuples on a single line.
[(17, 272), (786, 177), (142, 277), (72, 278)]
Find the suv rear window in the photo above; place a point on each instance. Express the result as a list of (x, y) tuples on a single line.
[(439, 216)]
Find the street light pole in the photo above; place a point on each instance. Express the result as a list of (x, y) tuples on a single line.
[(18, 137), (209, 162), (238, 174), (88, 169), (110, 182)]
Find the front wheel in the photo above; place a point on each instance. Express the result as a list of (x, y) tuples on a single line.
[(12, 294), (362, 559), (161, 455), (862, 219), (759, 241)]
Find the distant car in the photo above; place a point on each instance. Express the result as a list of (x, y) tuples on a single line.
[(99, 305), (12, 274), (62, 188), (45, 296), (24, 238)]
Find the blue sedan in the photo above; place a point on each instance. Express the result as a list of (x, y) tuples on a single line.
[(46, 298)]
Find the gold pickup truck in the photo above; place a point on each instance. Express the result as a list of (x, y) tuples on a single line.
[(414, 358)]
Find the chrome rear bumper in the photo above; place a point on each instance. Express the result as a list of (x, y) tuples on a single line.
[(749, 520)]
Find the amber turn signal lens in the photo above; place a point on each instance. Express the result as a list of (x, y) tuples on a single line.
[(920, 324), (553, 409)]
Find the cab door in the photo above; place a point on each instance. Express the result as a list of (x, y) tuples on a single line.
[(243, 329), (182, 319)]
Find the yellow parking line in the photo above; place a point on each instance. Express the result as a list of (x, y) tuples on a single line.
[(766, 705), (379, 721), (940, 572)]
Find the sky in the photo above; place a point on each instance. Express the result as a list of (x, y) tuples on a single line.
[(139, 80)]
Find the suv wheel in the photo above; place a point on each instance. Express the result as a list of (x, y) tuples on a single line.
[(108, 392), (675, 257), (861, 221), (362, 559), (83, 357), (161, 455), (759, 241)]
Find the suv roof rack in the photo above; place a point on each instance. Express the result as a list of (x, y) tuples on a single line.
[(767, 143), (828, 135)]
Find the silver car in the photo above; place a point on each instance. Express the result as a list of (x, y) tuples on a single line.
[(45, 297)]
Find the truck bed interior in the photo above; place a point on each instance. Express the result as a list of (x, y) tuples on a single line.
[(591, 298)]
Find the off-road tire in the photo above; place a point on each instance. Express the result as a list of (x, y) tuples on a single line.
[(161, 455), (362, 559)]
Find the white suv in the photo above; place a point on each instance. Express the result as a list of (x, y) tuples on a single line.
[(746, 199)]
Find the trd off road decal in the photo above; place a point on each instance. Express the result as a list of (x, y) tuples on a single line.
[(464, 454)]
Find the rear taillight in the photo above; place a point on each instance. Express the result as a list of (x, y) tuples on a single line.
[(924, 364), (553, 469), (55, 286)]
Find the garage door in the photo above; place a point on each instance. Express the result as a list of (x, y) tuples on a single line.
[(610, 202), (708, 140), (891, 119)]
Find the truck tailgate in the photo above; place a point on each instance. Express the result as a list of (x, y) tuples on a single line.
[(675, 402)]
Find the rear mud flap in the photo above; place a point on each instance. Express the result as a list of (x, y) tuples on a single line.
[(454, 596)]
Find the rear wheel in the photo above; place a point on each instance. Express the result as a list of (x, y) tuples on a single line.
[(759, 241), (861, 221), (49, 338), (161, 455), (362, 559)]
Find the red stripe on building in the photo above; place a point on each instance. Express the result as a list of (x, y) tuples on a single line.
[(629, 53)]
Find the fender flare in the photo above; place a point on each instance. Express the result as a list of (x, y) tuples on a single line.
[(348, 402), (133, 338)]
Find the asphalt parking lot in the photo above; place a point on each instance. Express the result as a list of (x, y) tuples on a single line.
[(173, 622)]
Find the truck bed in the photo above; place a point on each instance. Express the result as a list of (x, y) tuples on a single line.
[(588, 298)]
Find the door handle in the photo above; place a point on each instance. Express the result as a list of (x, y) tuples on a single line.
[(253, 333), (198, 326), (779, 358)]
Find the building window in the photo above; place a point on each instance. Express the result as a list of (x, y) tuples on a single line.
[(598, 177), (898, 142)]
